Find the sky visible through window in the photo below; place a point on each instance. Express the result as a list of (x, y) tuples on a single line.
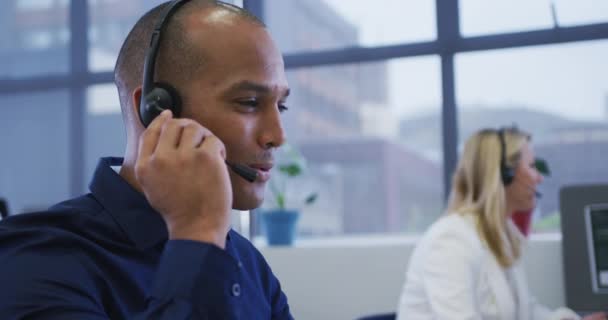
[(567, 80)]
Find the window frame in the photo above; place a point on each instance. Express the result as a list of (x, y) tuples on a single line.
[(448, 43)]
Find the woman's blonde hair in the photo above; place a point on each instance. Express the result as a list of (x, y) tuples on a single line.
[(478, 189)]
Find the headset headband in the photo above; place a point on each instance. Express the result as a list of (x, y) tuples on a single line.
[(150, 62)]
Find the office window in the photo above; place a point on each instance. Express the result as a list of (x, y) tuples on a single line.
[(370, 135), (479, 17), (109, 23), (34, 166), (105, 133), (329, 24), (558, 93), (581, 12), (34, 38)]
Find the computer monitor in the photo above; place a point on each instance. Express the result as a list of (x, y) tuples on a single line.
[(584, 224), (596, 228), (3, 208)]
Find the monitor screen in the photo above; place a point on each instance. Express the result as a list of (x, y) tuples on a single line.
[(584, 225), (596, 223)]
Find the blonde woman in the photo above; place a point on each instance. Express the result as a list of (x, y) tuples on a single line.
[(467, 265)]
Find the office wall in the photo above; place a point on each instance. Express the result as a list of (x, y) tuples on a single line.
[(345, 280)]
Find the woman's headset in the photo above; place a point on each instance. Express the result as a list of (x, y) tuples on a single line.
[(507, 173)]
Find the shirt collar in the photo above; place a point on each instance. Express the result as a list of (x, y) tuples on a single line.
[(142, 224)]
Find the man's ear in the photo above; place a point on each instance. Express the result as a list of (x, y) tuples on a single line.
[(135, 101)]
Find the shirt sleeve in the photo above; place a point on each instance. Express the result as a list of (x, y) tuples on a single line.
[(200, 281), (540, 312), (534, 309), (195, 280), (278, 299), (36, 288), (448, 275)]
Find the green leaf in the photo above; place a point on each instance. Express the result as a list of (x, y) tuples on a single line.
[(311, 198), (291, 169), (542, 166), (281, 201)]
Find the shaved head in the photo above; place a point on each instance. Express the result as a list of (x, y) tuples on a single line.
[(230, 76), (179, 58)]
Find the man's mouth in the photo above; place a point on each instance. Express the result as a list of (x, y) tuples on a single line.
[(262, 166), (263, 171)]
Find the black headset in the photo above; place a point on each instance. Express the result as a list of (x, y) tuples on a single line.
[(507, 173), (157, 97)]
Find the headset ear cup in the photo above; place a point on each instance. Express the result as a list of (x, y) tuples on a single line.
[(161, 97), (507, 176), (174, 101)]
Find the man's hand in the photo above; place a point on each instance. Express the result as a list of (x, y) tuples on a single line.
[(596, 316), (180, 167)]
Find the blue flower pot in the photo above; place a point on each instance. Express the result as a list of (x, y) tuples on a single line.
[(280, 226)]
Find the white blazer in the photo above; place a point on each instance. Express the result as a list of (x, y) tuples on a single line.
[(452, 275)]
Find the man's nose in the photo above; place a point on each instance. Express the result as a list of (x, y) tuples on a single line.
[(272, 134)]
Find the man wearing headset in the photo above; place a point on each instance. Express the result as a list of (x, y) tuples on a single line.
[(152, 240)]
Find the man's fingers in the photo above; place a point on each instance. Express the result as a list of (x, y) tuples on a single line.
[(169, 136), (213, 145), (149, 138), (192, 136)]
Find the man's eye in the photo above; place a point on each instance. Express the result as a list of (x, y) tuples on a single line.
[(283, 108), (251, 103)]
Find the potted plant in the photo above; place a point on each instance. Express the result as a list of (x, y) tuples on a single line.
[(279, 222)]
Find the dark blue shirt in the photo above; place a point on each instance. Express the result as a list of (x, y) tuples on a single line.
[(105, 255)]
